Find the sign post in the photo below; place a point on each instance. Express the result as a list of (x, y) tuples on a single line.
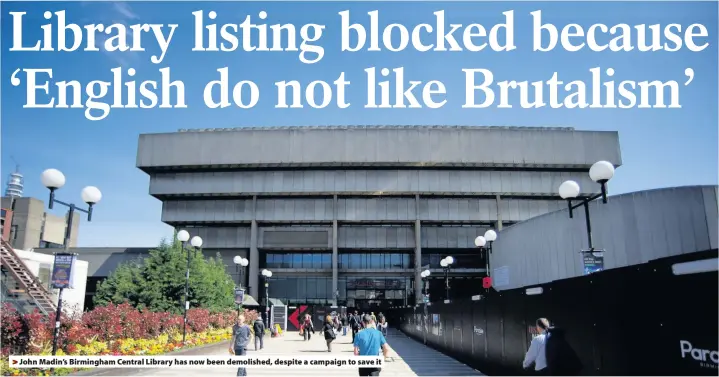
[(239, 299), (593, 261), (62, 277)]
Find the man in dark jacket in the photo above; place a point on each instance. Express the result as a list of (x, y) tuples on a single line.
[(355, 325), (561, 358), (259, 328)]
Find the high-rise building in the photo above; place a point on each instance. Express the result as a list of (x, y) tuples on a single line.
[(353, 215), (15, 184), (26, 225)]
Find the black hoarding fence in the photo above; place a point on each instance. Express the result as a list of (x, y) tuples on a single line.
[(638, 320)]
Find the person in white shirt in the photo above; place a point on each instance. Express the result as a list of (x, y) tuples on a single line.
[(537, 354)]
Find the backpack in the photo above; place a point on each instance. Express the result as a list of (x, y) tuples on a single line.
[(259, 328), (329, 331)]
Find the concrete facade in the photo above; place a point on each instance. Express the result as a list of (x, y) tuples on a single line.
[(370, 202), (34, 228), (631, 228)]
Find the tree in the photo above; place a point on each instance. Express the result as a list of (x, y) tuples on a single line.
[(158, 281)]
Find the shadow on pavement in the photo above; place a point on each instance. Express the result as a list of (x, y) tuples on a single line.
[(217, 348), (422, 360)]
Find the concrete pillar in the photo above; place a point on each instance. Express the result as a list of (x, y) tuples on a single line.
[(335, 255), (253, 276), (417, 254), (499, 213)]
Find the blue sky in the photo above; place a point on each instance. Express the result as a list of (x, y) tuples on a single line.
[(660, 147)]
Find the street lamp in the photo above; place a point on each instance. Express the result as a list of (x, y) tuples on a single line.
[(601, 172), (446, 264), (425, 279), (267, 274), (53, 179), (196, 242), (481, 242), (240, 264)]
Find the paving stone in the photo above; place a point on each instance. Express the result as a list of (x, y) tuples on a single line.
[(409, 358)]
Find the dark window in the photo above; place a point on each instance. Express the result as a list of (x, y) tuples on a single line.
[(296, 261), (50, 245), (326, 260), (355, 261), (434, 260), (381, 261)]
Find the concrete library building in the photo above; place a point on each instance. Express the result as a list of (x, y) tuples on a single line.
[(351, 216)]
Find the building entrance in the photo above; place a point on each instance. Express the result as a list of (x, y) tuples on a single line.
[(376, 306), (374, 294)]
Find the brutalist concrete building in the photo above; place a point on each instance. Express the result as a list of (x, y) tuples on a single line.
[(352, 215)]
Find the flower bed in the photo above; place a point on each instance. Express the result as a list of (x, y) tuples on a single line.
[(109, 330)]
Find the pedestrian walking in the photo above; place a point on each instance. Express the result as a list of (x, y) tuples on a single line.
[(369, 342), (537, 353), (329, 331), (382, 325), (336, 323), (241, 334), (355, 325), (307, 327), (259, 328), (345, 323)]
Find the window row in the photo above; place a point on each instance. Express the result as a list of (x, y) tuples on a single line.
[(320, 288), (298, 260), (383, 261), (375, 295), (471, 260), (378, 283)]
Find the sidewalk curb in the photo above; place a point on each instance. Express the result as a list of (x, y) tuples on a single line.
[(130, 371)]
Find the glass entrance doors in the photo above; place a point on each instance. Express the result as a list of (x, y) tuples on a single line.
[(368, 294)]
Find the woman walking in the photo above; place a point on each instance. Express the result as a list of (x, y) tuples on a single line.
[(382, 325), (329, 332), (336, 323), (307, 328)]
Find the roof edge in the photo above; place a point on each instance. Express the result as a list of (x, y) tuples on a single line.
[(385, 127)]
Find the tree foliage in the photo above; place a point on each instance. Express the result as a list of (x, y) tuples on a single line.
[(157, 282)]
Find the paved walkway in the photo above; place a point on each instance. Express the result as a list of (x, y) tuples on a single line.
[(410, 358)]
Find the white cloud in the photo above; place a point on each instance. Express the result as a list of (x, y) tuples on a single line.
[(125, 10), (119, 13)]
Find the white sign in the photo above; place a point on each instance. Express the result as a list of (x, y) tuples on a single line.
[(500, 276), (168, 362), (706, 358)]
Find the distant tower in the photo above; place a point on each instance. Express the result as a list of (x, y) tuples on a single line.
[(15, 184)]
